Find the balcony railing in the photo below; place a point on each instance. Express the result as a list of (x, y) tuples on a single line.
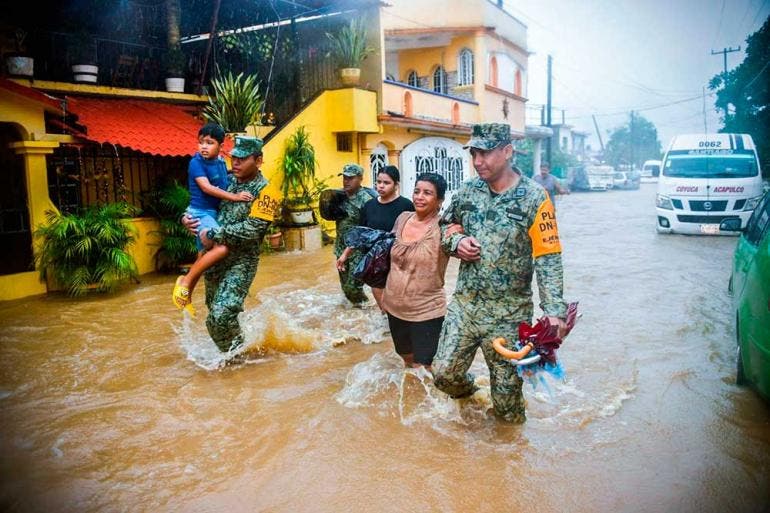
[(413, 102)]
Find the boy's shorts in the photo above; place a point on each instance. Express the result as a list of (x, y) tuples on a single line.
[(207, 219)]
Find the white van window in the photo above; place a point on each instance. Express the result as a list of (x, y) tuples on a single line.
[(685, 164)]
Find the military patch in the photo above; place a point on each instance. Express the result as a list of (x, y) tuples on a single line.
[(514, 213), (544, 232), (267, 205), (520, 192)]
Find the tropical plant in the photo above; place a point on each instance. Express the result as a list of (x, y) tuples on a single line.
[(88, 249), (168, 202), (298, 167), (236, 102), (348, 44), (743, 94), (175, 62)]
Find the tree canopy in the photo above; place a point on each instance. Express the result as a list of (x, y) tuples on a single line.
[(743, 94), (633, 143)]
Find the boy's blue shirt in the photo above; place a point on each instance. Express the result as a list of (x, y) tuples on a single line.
[(216, 172)]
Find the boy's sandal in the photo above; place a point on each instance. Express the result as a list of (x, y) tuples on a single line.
[(181, 297)]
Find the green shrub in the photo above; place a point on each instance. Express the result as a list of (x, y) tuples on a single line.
[(88, 248), (168, 202)]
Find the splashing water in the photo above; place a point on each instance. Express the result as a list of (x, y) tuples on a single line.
[(287, 321)]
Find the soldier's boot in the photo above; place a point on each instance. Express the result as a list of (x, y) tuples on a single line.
[(509, 405)]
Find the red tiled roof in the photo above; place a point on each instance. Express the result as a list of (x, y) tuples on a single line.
[(147, 126), (28, 92)]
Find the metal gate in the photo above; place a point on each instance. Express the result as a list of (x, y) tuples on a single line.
[(445, 157)]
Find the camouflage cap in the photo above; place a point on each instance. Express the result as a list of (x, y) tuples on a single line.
[(245, 146), (487, 136), (352, 170)]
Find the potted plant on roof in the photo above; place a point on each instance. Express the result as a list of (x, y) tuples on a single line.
[(82, 52), (349, 49), (235, 103), (299, 186), (19, 63), (176, 65)]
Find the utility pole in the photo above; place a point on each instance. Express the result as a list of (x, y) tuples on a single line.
[(724, 53), (598, 134), (705, 122), (548, 113)]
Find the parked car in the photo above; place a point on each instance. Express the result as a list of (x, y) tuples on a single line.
[(650, 171), (626, 180), (600, 178), (750, 289)]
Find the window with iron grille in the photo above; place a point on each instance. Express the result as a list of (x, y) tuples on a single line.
[(344, 141), (93, 174), (439, 80), (465, 67), (413, 79)]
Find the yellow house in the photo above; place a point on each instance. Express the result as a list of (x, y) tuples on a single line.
[(465, 63), (429, 79)]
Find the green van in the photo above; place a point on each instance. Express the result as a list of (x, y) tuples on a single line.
[(750, 290)]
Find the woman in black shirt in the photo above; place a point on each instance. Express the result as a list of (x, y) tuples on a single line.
[(381, 212)]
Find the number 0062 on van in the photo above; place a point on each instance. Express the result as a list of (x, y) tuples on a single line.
[(705, 179)]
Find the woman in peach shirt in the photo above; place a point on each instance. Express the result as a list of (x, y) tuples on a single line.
[(414, 297)]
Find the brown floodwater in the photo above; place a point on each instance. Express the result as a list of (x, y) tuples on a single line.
[(118, 403)]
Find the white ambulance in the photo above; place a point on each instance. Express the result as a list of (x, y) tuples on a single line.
[(706, 179)]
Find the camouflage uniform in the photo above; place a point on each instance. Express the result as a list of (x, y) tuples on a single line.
[(228, 282), (352, 288), (517, 234)]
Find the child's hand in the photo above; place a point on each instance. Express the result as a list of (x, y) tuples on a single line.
[(244, 196)]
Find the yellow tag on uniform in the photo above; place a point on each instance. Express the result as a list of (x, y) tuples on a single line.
[(267, 205), (543, 232)]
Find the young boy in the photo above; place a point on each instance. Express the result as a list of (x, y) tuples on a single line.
[(207, 180)]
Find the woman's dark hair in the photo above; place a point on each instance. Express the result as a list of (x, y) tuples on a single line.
[(214, 131), (437, 180), (392, 172)]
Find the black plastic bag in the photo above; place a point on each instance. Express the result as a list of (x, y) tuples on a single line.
[(331, 204), (374, 266)]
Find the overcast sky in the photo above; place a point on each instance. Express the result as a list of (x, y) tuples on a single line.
[(611, 56)]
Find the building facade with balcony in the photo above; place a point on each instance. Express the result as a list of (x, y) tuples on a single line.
[(466, 63)]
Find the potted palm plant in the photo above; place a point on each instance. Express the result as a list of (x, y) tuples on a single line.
[(236, 102), (167, 202), (82, 50), (298, 186), (87, 250), (19, 63), (176, 64), (349, 49)]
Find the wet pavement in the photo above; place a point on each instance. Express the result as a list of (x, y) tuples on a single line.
[(115, 403)]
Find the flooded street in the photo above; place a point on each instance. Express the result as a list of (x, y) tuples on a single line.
[(116, 404)]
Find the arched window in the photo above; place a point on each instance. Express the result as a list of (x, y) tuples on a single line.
[(439, 80), (412, 79), (465, 67), (493, 71), (408, 109), (455, 113), (517, 83), (390, 77)]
